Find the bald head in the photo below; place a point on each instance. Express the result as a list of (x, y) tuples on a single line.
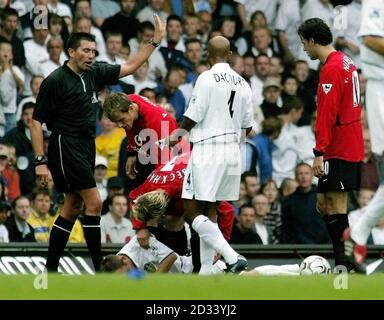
[(219, 48)]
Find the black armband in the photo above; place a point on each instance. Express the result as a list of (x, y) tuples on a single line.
[(317, 153), (131, 153)]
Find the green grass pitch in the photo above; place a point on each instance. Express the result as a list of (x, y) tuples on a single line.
[(192, 287)]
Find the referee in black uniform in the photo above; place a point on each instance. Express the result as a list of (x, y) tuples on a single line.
[(67, 104)]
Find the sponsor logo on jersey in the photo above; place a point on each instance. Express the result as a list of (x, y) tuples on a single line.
[(327, 87)]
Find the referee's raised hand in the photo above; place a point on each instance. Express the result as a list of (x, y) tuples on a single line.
[(159, 28)]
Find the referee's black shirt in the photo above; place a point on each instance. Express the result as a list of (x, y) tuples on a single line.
[(68, 103)]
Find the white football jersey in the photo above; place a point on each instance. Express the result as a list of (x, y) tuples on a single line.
[(372, 24), (220, 105), (155, 254)]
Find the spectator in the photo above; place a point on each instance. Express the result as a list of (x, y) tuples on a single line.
[(9, 22), (102, 9), (18, 228), (115, 227), (115, 186), (154, 6), (264, 143), (273, 219), (262, 209), (301, 222), (35, 87), (83, 9), (55, 50), (35, 53), (243, 231), (101, 165), (20, 137), (4, 235), (11, 83), (124, 21), (40, 220)]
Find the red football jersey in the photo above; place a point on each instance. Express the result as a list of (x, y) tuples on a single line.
[(153, 124), (338, 126), (169, 177)]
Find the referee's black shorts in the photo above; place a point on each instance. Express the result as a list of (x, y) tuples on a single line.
[(340, 176), (72, 163)]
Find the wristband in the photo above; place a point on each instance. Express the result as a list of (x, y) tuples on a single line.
[(317, 153)]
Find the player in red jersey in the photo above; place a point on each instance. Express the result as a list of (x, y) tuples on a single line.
[(159, 197), (339, 146), (144, 123)]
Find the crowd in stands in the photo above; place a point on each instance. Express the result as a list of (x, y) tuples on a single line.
[(277, 201)]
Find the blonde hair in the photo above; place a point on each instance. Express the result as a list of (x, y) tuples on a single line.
[(150, 205)]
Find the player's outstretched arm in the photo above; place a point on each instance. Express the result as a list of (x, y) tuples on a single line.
[(167, 263), (139, 58), (186, 126), (375, 43)]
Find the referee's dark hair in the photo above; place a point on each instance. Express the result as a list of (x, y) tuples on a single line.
[(75, 39), (316, 29)]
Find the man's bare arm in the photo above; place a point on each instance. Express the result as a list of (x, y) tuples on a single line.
[(375, 43), (139, 58)]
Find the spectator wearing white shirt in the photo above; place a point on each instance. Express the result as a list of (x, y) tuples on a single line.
[(11, 82), (55, 50), (4, 236), (306, 136), (287, 21), (245, 8), (157, 69), (140, 78), (35, 54), (261, 42), (83, 9), (114, 43), (286, 155), (115, 228), (365, 195), (35, 87), (101, 166), (262, 207), (59, 8), (84, 24), (154, 6), (102, 9), (347, 37), (262, 70)]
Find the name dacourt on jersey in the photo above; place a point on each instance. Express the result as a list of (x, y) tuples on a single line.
[(230, 78)]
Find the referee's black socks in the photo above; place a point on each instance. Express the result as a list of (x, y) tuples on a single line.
[(336, 224), (58, 239), (91, 226)]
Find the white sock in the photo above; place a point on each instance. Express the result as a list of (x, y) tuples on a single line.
[(211, 234), (372, 214), (207, 254), (218, 268), (284, 270)]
